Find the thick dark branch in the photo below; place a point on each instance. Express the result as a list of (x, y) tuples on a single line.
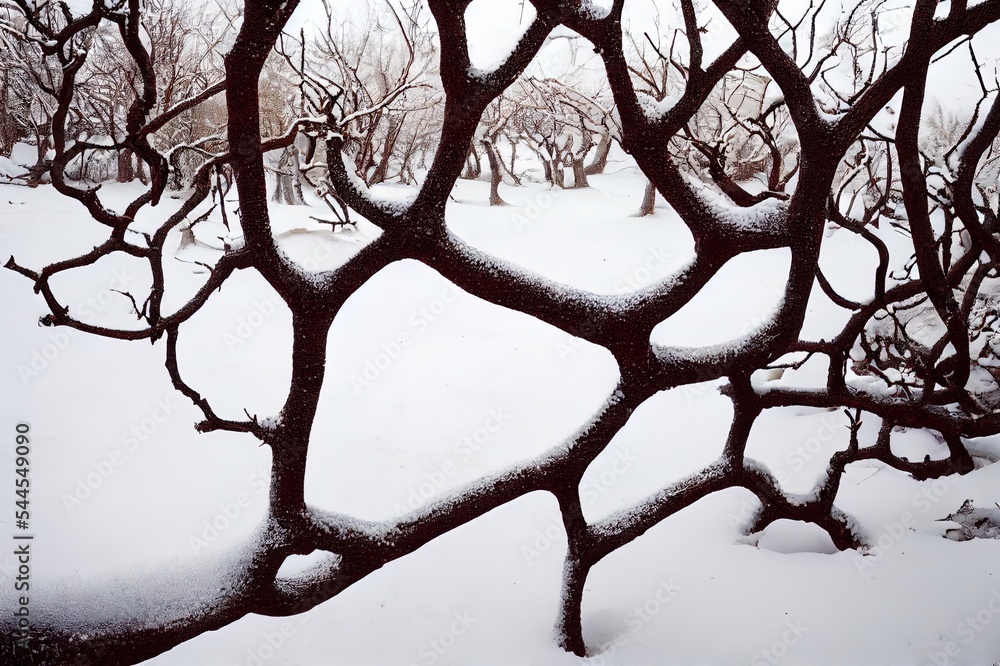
[(353, 193), (468, 94), (161, 120), (926, 38), (832, 293), (901, 411), (924, 240), (693, 37), (262, 23), (751, 22)]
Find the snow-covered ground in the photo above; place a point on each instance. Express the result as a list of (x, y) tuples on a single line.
[(127, 497)]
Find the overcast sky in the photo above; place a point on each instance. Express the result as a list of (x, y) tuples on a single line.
[(494, 25)]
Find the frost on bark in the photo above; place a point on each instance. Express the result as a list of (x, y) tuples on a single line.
[(940, 387)]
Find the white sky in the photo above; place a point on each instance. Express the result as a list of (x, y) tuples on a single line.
[(495, 25)]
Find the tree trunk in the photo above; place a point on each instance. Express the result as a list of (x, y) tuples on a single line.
[(41, 167), (473, 167), (81, 173), (43, 142), (379, 174), (287, 188), (578, 157), (382, 170), (406, 157), (600, 156), (547, 170), (8, 129), (126, 172), (496, 174), (648, 200), (311, 147), (511, 177), (579, 173), (558, 176), (364, 159), (297, 175)]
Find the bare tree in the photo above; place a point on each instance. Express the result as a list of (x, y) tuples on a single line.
[(182, 51), (558, 122), (491, 130), (954, 284), (30, 81), (368, 79)]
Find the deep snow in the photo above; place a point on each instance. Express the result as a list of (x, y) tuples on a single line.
[(474, 389)]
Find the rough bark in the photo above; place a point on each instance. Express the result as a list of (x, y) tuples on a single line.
[(579, 174), (648, 200), (126, 170)]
